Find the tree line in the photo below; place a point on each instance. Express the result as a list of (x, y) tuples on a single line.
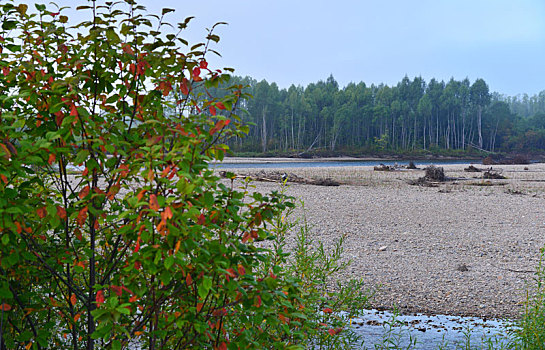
[(412, 116)]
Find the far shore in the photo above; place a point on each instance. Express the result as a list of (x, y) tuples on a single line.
[(234, 160)]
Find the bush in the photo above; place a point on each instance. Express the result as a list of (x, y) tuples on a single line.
[(114, 231)]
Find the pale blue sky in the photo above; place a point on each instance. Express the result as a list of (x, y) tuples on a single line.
[(301, 41)]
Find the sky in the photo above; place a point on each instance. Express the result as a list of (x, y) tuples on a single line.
[(301, 41)]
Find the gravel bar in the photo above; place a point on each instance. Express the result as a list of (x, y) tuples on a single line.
[(466, 247)]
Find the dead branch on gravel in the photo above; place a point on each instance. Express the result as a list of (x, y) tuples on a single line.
[(277, 176)]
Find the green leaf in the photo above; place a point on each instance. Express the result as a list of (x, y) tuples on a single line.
[(169, 261), (166, 10)]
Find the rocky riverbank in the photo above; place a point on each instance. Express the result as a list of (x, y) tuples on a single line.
[(467, 246)]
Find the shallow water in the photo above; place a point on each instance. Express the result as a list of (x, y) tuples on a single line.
[(430, 332), (334, 163)]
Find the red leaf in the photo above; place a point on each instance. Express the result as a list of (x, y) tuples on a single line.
[(85, 172), (61, 212), (201, 220), (220, 105), (331, 331), (212, 110), (153, 204), (127, 49), (5, 307), (241, 270), (100, 298), (327, 310), (203, 64), (183, 87), (84, 192), (188, 280), (42, 212), (117, 290), (82, 216), (137, 248), (199, 307), (258, 301), (222, 346), (196, 72), (4, 179), (73, 111), (5, 71), (51, 158)]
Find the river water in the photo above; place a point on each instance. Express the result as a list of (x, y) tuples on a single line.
[(425, 332), (264, 164)]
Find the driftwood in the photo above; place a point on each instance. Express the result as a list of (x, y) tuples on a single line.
[(394, 167), (517, 159), (277, 176), (472, 169), (434, 176), (492, 174), (383, 167)]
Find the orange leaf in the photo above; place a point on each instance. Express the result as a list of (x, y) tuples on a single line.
[(151, 175), (61, 212), (19, 229), (73, 299), (153, 203), (4, 179), (5, 307), (84, 192), (327, 310), (177, 247), (42, 212), (137, 248), (51, 158), (188, 279), (77, 317), (167, 213), (241, 270), (28, 346), (199, 307), (6, 151), (141, 194), (222, 346)]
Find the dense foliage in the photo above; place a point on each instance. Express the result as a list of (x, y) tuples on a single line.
[(413, 116), (114, 232)]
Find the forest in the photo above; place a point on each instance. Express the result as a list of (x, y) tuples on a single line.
[(412, 117)]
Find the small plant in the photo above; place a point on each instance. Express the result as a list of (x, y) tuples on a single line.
[(325, 317), (530, 330)]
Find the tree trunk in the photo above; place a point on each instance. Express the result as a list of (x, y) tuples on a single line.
[(479, 122), (264, 130)]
